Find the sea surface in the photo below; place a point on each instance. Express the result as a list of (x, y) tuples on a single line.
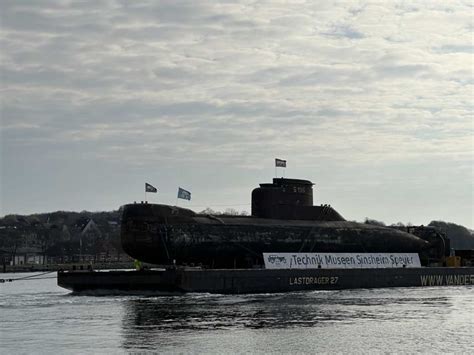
[(37, 316)]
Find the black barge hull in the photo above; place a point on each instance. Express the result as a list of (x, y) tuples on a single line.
[(261, 280)]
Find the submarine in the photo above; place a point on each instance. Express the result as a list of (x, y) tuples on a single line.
[(283, 219), (287, 244)]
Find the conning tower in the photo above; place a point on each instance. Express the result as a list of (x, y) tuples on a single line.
[(290, 199)]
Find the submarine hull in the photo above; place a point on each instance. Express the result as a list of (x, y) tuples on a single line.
[(261, 280), (164, 235)]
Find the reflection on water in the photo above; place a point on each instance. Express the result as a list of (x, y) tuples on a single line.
[(269, 311), (147, 320)]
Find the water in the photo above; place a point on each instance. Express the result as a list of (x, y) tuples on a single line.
[(37, 316)]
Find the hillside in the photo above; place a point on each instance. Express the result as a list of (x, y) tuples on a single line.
[(460, 236), (60, 237)]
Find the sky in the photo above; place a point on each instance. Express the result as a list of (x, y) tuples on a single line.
[(370, 100)]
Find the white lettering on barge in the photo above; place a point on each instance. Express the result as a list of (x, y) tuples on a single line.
[(317, 280), (340, 260), (446, 280)]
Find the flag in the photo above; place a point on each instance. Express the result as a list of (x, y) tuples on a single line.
[(149, 188), (185, 195), (280, 163)]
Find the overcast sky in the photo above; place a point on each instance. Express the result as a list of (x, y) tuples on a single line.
[(371, 100)]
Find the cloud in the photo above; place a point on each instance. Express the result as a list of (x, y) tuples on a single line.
[(234, 83), (345, 31), (453, 48)]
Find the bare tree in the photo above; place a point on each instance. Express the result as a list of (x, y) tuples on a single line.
[(374, 222), (10, 241)]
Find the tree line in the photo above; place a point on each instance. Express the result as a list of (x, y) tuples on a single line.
[(61, 236), (460, 236)]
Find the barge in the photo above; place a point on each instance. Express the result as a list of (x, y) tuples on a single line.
[(286, 244), (236, 281)]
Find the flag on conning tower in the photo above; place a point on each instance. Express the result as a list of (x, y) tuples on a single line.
[(185, 195), (280, 163), (150, 188)]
